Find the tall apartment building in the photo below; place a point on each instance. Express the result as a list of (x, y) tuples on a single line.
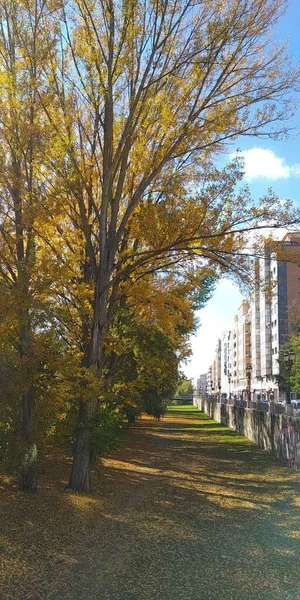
[(213, 381), (217, 368), (202, 384), (243, 345), (255, 326), (274, 301), (234, 351), (288, 287), (209, 384), (226, 362), (214, 378), (261, 326)]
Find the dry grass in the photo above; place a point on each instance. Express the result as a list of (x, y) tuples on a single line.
[(186, 510)]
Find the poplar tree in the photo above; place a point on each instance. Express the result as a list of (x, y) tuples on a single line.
[(25, 43), (148, 93)]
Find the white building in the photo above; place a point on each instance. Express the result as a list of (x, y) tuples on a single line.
[(240, 349), (275, 297), (202, 384), (226, 375), (209, 381)]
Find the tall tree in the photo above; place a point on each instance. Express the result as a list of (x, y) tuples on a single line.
[(25, 41), (148, 92)]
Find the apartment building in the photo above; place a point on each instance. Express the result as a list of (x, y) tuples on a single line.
[(241, 347), (209, 384), (261, 327), (288, 287), (202, 384), (213, 377), (274, 301), (226, 374), (217, 368)]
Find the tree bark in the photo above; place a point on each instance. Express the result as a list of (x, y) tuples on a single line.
[(80, 474), (28, 461), (92, 347)]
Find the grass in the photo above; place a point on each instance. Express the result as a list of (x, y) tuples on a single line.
[(207, 426), (185, 510), (185, 410)]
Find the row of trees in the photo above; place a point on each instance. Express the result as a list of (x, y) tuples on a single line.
[(112, 212)]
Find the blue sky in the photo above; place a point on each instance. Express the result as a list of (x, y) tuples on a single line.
[(268, 163)]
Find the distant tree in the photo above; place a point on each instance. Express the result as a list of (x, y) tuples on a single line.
[(185, 388), (295, 371), (154, 403), (289, 378), (285, 376), (141, 358)]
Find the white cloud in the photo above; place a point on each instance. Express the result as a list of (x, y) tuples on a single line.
[(264, 164)]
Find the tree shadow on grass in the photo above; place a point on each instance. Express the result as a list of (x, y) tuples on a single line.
[(171, 517)]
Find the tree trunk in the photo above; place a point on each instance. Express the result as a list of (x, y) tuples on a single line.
[(80, 474), (28, 470), (28, 462)]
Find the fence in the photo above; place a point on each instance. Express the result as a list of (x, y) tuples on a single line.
[(276, 433), (277, 408)]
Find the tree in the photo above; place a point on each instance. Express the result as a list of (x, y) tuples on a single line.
[(185, 388), (288, 378), (147, 93), (154, 403), (295, 371), (25, 42), (141, 357)]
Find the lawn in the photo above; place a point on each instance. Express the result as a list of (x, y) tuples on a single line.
[(185, 510)]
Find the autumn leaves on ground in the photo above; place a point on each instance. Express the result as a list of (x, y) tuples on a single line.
[(185, 509)]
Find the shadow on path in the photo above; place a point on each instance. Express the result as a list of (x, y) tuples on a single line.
[(187, 510)]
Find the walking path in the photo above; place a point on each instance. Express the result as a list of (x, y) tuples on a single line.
[(188, 510)]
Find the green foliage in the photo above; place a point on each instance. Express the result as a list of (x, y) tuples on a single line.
[(200, 295), (295, 371), (290, 377), (153, 403), (185, 388), (106, 430), (138, 356)]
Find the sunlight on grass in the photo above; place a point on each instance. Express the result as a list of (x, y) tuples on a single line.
[(81, 501), (184, 480), (235, 495)]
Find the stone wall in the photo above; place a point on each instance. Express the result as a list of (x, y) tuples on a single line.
[(279, 434)]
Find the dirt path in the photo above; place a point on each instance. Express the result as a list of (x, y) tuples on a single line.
[(187, 510)]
